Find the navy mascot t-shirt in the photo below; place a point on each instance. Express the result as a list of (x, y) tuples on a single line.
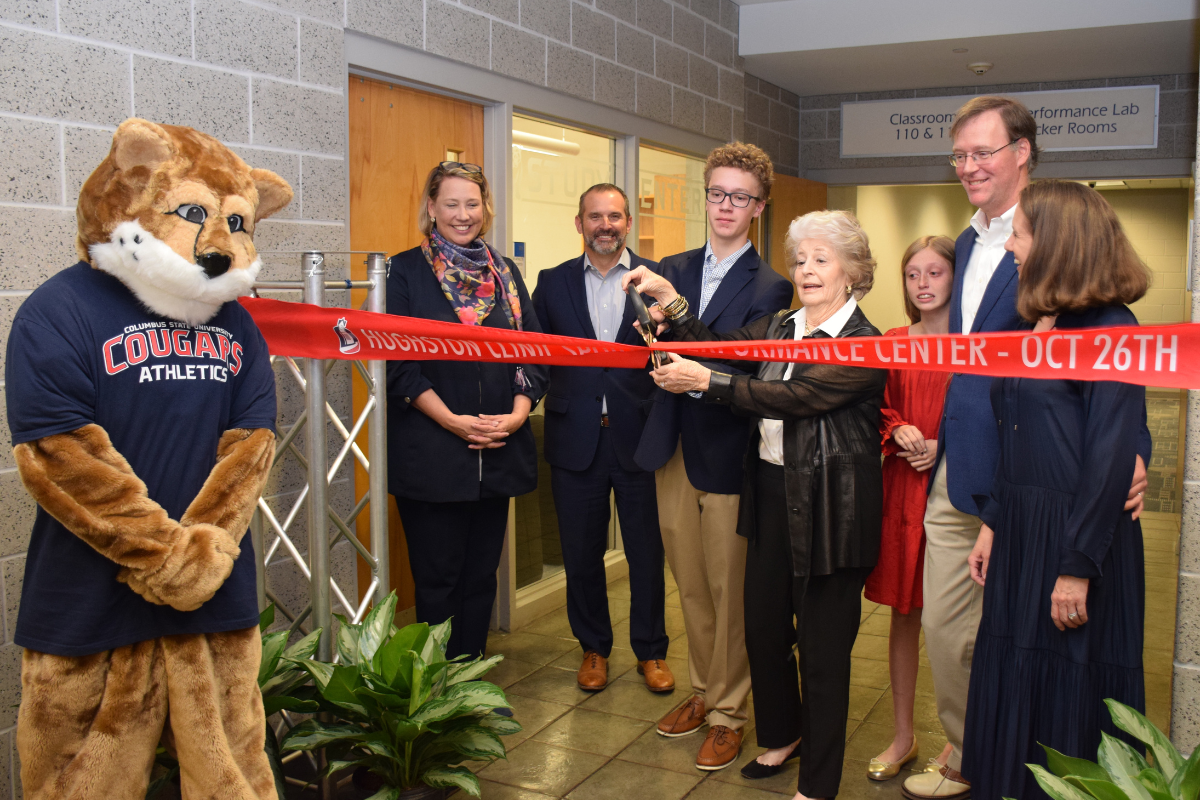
[(83, 350)]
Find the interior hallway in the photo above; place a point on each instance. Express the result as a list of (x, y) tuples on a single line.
[(604, 746)]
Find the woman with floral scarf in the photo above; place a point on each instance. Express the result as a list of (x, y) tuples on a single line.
[(458, 443)]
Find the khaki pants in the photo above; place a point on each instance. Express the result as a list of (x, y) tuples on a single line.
[(953, 607), (88, 726), (708, 560)]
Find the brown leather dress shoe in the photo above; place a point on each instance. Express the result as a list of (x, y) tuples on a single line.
[(684, 720), (593, 672), (658, 675), (720, 749)]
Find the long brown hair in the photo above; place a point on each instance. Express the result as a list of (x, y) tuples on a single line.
[(1079, 257), (943, 246)]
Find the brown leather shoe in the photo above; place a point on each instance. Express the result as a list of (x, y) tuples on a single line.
[(684, 720), (720, 749), (658, 675), (593, 672)]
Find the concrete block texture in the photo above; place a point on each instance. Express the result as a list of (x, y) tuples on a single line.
[(83, 150), (635, 49), (655, 16), (548, 17), (730, 15), (593, 31), (733, 88), (616, 86), (19, 510), (758, 109), (1187, 625), (718, 120), (518, 53), (322, 54), (1177, 108), (209, 100), (709, 9), (221, 27), (63, 79), (159, 26), (328, 10), (456, 33), (34, 176), (285, 165), (812, 124), (702, 77), (34, 13), (324, 188), (1185, 708), (6, 455), (570, 71), (400, 21), (625, 10), (718, 45), (781, 118), (687, 110), (8, 309), (688, 30), (738, 126), (670, 63), (507, 10), (298, 118), (279, 235), (35, 243), (654, 99), (1189, 540), (10, 683), (13, 570)]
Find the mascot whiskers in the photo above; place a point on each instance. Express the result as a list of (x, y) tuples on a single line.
[(141, 402)]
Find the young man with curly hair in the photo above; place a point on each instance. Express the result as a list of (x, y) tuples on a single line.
[(696, 448)]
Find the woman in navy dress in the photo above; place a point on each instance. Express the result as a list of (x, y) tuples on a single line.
[(1060, 559)]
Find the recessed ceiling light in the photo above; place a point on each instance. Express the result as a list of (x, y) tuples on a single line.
[(959, 50)]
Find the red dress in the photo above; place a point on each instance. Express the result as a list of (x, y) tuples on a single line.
[(912, 397)]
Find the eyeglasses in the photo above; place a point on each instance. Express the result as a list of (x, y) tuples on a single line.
[(739, 199), (469, 168), (979, 156)]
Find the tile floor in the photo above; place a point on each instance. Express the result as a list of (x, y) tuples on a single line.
[(603, 746)]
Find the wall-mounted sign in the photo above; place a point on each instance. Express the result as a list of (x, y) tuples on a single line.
[(1071, 119)]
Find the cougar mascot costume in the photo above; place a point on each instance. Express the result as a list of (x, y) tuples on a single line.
[(142, 408)]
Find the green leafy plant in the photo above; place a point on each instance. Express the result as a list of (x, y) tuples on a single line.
[(1121, 772), (401, 710)]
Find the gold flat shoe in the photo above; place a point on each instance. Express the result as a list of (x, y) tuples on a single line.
[(884, 771)]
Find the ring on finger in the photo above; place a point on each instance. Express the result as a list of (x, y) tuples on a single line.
[(1073, 615)]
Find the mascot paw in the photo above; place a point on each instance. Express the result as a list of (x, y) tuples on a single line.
[(200, 561)]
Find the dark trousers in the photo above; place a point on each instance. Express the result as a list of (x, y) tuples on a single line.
[(581, 500), (454, 550), (826, 610)]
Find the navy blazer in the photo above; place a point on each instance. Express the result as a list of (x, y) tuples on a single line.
[(968, 436), (714, 440), (573, 401), (426, 461)]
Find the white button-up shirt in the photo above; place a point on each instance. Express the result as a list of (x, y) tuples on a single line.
[(985, 257), (770, 448), (606, 301)]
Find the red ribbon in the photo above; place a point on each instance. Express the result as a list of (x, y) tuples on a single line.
[(1158, 355)]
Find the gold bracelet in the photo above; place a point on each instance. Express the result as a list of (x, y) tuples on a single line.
[(676, 308)]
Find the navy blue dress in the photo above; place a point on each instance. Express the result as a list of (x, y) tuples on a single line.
[(1067, 453)]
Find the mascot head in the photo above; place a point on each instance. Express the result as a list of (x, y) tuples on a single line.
[(171, 213)]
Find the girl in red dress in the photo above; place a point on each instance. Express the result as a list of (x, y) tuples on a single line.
[(912, 412)]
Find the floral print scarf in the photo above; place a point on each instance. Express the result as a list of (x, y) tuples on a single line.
[(469, 277)]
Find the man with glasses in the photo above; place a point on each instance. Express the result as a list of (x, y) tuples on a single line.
[(696, 449), (995, 149), (594, 420)]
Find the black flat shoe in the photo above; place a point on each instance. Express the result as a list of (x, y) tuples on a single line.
[(753, 770)]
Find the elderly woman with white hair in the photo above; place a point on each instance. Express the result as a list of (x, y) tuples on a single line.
[(811, 502)]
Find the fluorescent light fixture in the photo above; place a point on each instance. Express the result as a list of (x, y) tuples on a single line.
[(544, 144)]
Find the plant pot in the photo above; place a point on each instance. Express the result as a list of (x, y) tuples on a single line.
[(366, 784)]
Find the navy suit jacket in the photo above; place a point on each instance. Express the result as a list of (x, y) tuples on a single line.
[(714, 440), (573, 401), (968, 436)]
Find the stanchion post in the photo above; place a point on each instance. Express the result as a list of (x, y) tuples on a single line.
[(313, 269), (377, 441), (258, 538)]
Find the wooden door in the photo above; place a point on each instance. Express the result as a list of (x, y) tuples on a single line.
[(397, 135), (790, 198)]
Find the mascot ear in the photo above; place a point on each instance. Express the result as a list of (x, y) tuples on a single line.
[(273, 193), (138, 143)]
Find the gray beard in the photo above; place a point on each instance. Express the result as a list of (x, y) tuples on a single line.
[(590, 241)]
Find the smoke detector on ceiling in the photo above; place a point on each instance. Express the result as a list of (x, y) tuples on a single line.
[(980, 67)]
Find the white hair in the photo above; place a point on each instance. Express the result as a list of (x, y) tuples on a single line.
[(842, 230)]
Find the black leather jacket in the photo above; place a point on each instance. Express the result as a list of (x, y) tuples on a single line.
[(833, 479)]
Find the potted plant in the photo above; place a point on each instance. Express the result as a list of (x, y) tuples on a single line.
[(396, 707), (1122, 773)]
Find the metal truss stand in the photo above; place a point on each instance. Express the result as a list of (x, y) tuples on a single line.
[(269, 533)]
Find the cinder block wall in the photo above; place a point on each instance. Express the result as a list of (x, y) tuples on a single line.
[(773, 123)]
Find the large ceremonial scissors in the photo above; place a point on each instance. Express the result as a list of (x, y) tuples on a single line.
[(647, 325)]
